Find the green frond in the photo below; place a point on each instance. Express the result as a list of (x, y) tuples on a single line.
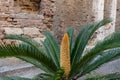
[(83, 37), (25, 39), (42, 58), (59, 75), (13, 78), (43, 76), (35, 63), (101, 59), (24, 50), (111, 41), (53, 47), (71, 38), (47, 49)]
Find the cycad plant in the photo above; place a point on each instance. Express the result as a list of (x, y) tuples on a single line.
[(68, 61)]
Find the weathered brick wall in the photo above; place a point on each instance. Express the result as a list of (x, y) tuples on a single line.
[(47, 8), (27, 6), (23, 18), (80, 12), (19, 17), (72, 13), (118, 16)]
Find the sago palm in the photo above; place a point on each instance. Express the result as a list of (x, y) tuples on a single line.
[(68, 61)]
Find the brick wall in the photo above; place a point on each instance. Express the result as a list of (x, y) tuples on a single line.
[(19, 17), (118, 16), (80, 12), (29, 18)]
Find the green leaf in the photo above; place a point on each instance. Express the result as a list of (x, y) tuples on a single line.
[(83, 37), (101, 59), (43, 76), (111, 41), (25, 39), (53, 47), (49, 50), (59, 75), (71, 38), (27, 51), (42, 58), (35, 63)]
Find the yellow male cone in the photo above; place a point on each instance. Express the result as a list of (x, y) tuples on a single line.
[(65, 55)]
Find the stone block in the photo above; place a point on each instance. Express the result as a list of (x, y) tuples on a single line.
[(9, 19), (31, 32), (28, 22), (4, 1), (1, 30), (4, 23), (15, 26), (4, 15), (3, 9), (28, 16), (13, 30)]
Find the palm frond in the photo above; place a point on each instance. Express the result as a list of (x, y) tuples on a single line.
[(35, 63), (54, 47), (71, 38), (41, 57), (83, 37), (101, 59), (27, 51), (49, 50), (59, 75), (43, 76), (25, 39), (111, 41)]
